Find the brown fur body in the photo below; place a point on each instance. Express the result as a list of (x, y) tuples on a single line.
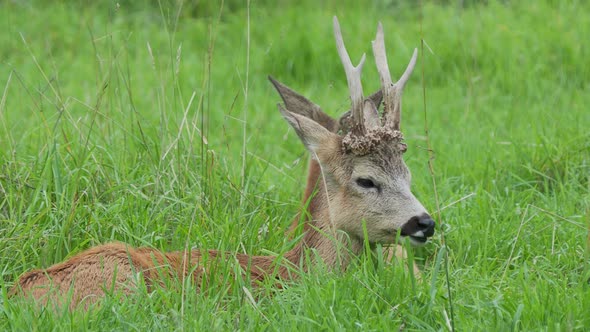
[(118, 267)]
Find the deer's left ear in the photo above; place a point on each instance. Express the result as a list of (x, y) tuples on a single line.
[(298, 104), (311, 133)]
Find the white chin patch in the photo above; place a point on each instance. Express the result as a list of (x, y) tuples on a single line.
[(418, 241), (418, 238)]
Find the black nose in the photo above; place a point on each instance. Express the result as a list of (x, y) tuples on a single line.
[(423, 223), (426, 224)]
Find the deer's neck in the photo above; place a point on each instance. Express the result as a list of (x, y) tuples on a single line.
[(320, 240), (333, 247), (307, 205)]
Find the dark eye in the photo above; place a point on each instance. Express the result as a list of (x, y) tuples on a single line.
[(366, 183)]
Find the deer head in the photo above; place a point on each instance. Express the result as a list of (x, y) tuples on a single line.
[(364, 177)]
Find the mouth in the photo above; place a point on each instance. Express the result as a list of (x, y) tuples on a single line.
[(418, 238)]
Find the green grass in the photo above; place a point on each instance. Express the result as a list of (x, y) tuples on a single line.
[(155, 125)]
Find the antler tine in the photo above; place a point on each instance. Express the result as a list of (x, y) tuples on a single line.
[(392, 93), (408, 72), (353, 77)]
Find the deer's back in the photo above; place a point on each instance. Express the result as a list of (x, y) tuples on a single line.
[(88, 275)]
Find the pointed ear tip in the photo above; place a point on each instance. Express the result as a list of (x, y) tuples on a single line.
[(284, 111), (290, 117), (276, 84)]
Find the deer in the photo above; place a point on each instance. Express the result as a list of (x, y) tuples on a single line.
[(357, 192)]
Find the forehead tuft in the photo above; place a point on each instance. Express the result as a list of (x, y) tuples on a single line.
[(371, 141)]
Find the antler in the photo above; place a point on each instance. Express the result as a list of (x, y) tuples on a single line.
[(392, 93), (366, 132), (353, 77)]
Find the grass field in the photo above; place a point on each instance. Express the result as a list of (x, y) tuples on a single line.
[(155, 125)]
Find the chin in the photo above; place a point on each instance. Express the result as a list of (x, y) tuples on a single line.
[(415, 241), (418, 241)]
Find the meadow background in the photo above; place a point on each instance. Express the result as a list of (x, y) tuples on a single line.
[(153, 123)]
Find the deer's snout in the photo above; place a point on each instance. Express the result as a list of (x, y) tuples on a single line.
[(419, 228)]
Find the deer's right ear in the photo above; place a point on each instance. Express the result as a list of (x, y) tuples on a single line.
[(312, 134)]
